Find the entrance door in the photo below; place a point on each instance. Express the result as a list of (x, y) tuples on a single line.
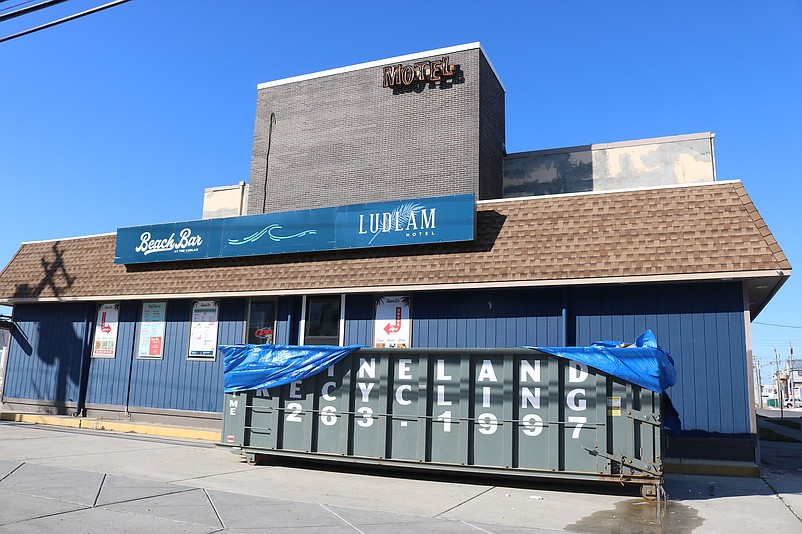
[(322, 320)]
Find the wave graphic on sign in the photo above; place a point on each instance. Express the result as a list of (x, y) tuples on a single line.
[(401, 214), (269, 231)]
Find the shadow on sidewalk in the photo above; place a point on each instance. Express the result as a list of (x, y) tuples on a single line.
[(780, 444)]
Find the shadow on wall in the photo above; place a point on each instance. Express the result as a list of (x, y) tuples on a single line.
[(50, 277), (51, 334)]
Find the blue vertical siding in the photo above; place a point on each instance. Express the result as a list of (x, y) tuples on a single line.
[(359, 312), (108, 377), (468, 319), (500, 318), (176, 383), (288, 316), (701, 325), (45, 353)]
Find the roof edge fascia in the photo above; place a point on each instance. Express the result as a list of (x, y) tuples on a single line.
[(383, 62), (606, 192), (619, 280), (67, 238)]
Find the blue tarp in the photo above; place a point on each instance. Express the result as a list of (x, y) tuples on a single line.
[(644, 363), (249, 367)]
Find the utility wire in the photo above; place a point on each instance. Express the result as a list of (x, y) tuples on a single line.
[(61, 21), (778, 325), (30, 9), (16, 5)]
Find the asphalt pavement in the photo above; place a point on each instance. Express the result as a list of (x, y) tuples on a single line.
[(66, 480)]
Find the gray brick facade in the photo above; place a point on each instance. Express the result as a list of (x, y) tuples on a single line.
[(491, 133), (345, 139)]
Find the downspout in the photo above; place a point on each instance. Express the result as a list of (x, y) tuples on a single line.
[(80, 407), (267, 158), (564, 337), (134, 350)]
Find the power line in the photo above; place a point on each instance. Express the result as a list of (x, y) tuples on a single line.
[(777, 325), (61, 21), (17, 5), (29, 9)]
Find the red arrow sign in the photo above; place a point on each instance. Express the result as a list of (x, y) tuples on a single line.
[(103, 326), (392, 328)]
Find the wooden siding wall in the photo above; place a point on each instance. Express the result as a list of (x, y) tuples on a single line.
[(176, 383), (359, 312), (288, 317), (108, 377), (45, 353), (45, 358), (483, 319), (700, 325), (468, 319)]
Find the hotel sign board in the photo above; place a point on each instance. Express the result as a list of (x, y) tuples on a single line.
[(377, 224)]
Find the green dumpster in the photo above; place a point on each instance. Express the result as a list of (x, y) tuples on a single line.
[(511, 412)]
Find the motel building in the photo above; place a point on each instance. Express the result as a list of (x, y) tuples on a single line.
[(383, 210)]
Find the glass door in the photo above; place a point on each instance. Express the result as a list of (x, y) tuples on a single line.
[(322, 320)]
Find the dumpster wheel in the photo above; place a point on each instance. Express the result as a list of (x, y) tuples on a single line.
[(251, 458), (650, 492)]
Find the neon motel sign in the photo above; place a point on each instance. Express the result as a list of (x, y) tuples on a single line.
[(422, 71)]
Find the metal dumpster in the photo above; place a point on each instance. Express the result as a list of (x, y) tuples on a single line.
[(512, 412)]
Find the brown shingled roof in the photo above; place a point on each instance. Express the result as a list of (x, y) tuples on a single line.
[(677, 231)]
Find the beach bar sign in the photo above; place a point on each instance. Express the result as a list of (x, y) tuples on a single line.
[(378, 224)]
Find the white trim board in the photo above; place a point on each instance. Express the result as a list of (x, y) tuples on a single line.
[(692, 277), (383, 62)]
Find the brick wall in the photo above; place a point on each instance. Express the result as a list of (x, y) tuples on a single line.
[(345, 139), (491, 133)]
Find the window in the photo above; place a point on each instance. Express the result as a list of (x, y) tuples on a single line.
[(261, 327), (322, 320)]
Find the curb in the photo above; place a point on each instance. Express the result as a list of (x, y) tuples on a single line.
[(722, 468), (114, 426)]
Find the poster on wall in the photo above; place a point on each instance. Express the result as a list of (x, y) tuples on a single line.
[(391, 328), (151, 330), (105, 344), (203, 331)]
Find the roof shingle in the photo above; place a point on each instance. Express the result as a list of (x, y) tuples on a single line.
[(689, 230)]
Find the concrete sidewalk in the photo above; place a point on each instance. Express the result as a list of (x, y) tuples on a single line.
[(80, 480)]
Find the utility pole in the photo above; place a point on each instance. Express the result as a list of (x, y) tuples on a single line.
[(791, 393), (759, 388), (779, 383)]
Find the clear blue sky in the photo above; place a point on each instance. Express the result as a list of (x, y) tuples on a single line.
[(124, 117)]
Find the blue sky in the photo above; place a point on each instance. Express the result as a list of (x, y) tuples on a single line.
[(124, 117)]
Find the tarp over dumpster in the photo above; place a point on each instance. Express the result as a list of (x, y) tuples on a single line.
[(644, 363), (250, 367)]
